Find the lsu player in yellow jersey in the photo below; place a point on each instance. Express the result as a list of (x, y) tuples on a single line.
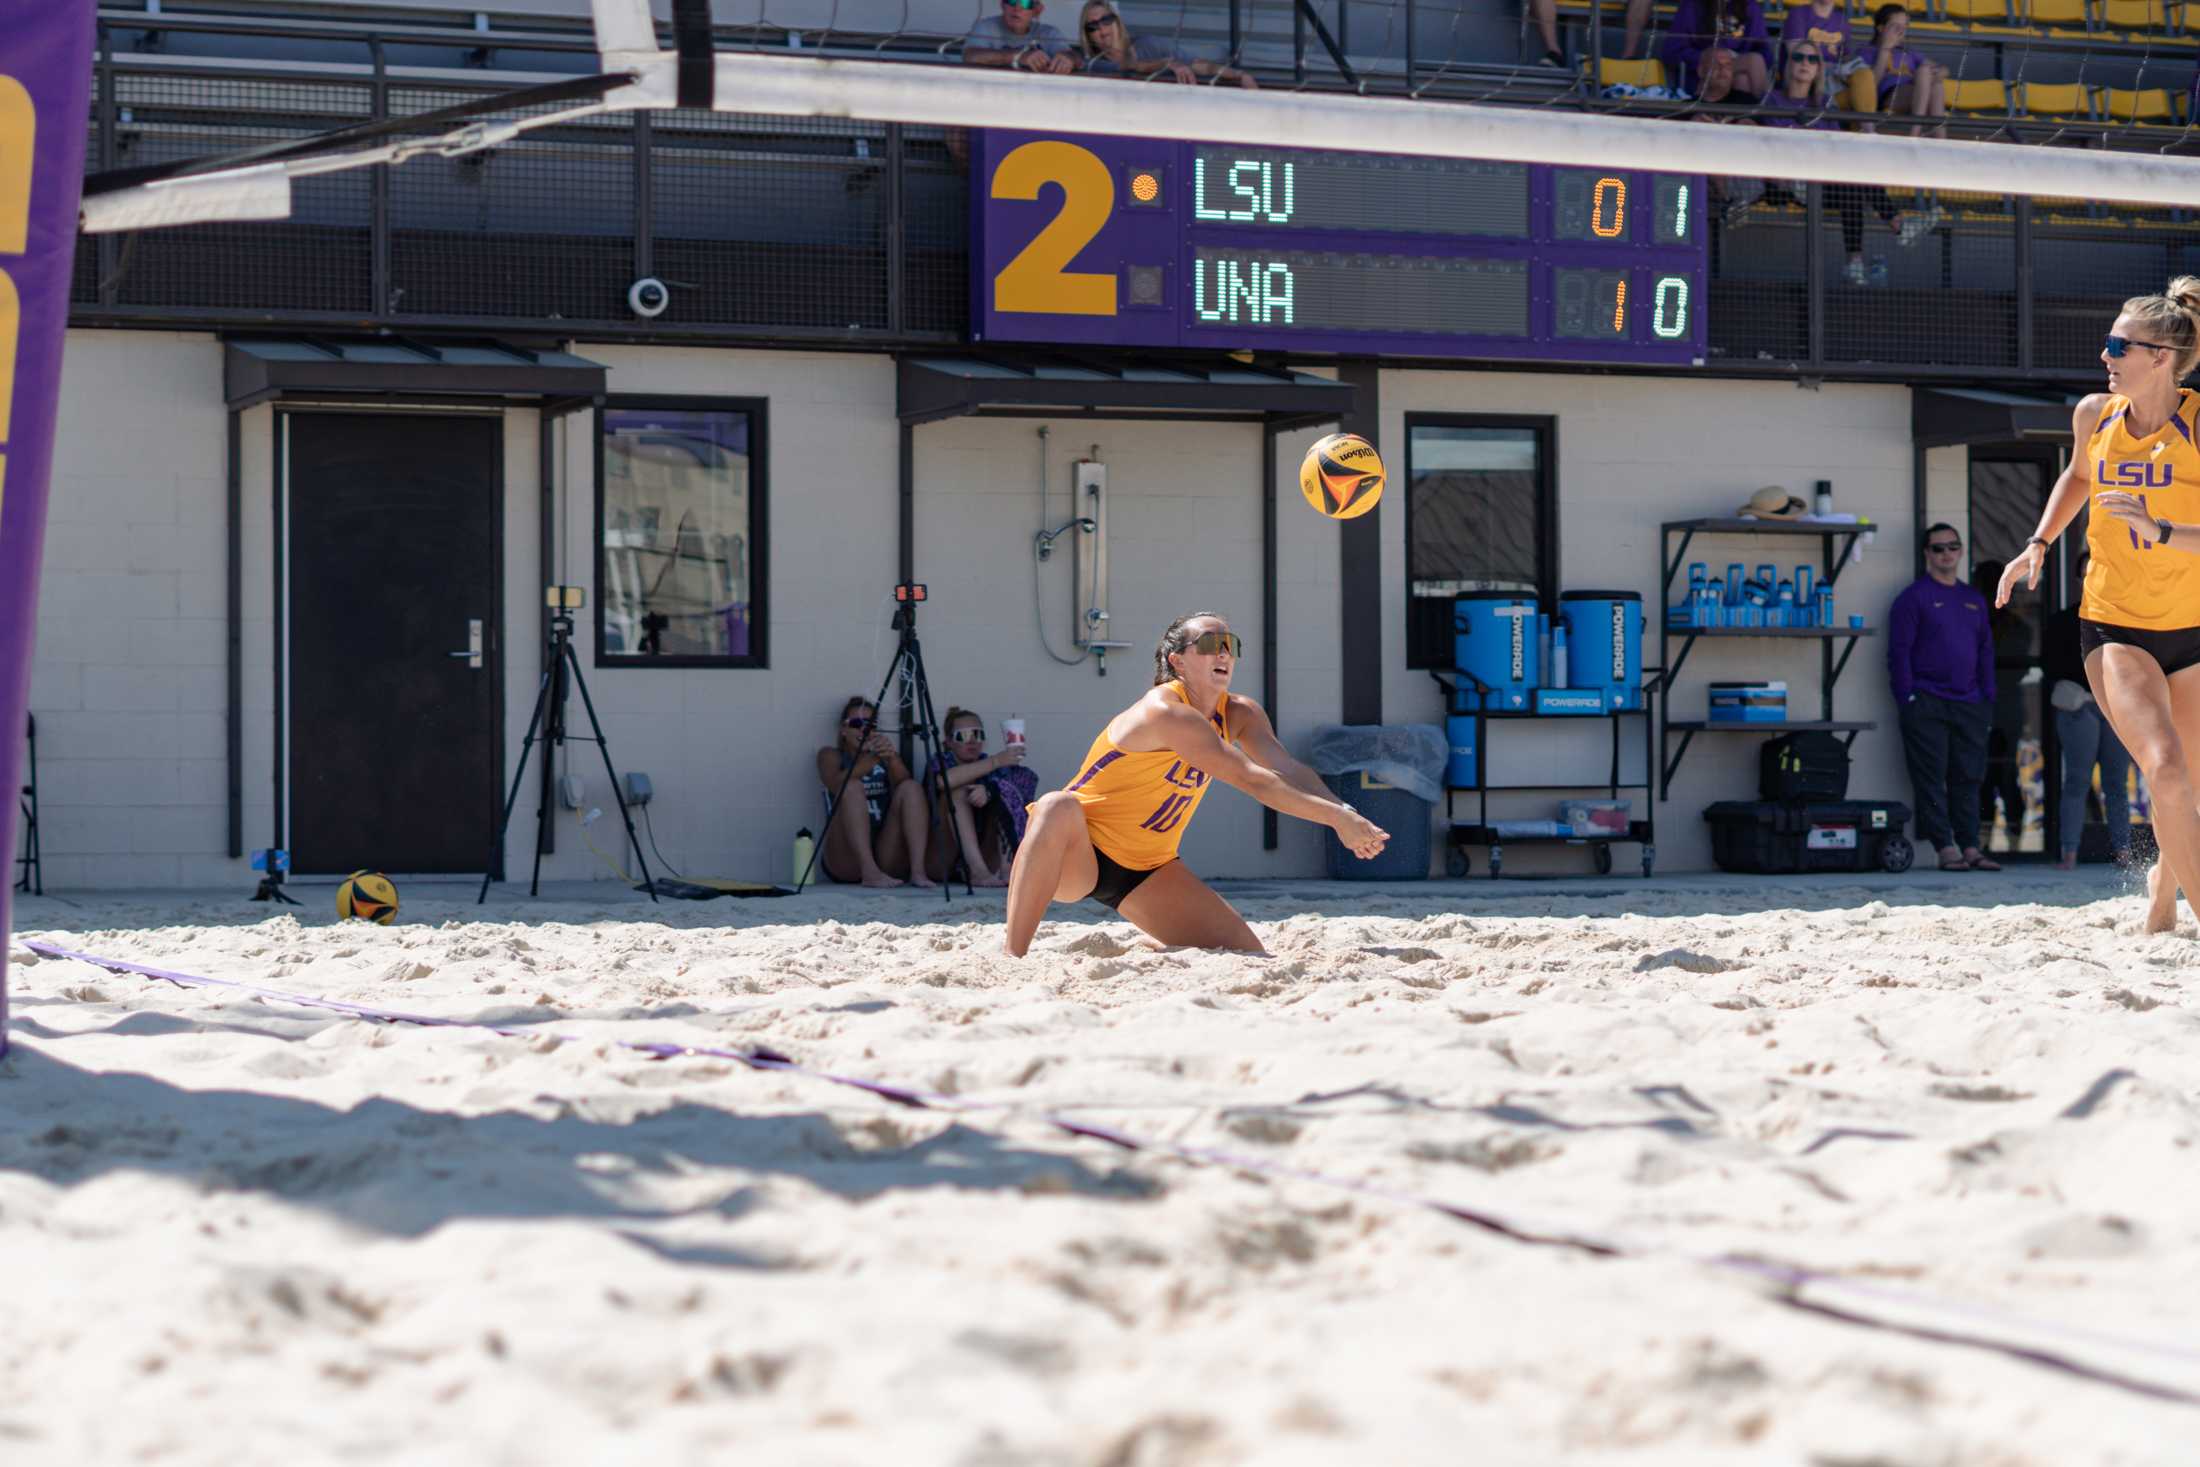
[(2139, 617), (1112, 833)]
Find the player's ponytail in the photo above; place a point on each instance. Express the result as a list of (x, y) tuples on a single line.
[(2173, 318), (2184, 293)]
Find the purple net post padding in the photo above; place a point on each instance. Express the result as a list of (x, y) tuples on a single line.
[(45, 102)]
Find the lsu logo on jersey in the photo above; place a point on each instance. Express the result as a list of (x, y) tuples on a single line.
[(2132, 474)]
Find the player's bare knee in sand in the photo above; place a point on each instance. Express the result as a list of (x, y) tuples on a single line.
[(1054, 864)]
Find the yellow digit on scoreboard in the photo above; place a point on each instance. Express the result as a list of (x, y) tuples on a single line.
[(1039, 280)]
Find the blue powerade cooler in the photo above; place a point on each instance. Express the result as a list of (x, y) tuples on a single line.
[(1494, 643), (1604, 644)]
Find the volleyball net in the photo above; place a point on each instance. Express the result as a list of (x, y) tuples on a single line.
[(1397, 184)]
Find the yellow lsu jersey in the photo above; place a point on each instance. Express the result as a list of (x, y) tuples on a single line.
[(1137, 805), (2131, 582)]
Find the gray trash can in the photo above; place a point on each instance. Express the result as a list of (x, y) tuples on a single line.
[(1392, 774)]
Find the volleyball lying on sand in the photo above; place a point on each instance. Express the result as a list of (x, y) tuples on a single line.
[(368, 895), (1342, 476)]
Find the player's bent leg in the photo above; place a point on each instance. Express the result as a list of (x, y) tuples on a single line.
[(1176, 908), (1054, 864)]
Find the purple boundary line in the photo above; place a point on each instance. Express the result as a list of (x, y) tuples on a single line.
[(1786, 1281)]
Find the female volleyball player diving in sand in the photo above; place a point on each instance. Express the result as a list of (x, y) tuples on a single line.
[(1112, 833), (2139, 617)]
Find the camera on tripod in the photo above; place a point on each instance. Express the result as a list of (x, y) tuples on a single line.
[(565, 600)]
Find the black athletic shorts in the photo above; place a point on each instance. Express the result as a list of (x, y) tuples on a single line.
[(2172, 651), (1117, 880)]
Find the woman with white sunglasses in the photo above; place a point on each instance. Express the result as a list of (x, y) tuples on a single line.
[(1112, 833), (2139, 619)]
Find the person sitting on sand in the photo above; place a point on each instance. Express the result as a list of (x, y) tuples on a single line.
[(988, 795), (877, 835), (1112, 833)]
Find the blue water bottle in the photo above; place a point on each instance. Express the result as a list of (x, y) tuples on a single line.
[(1825, 605), (1806, 604), (1734, 584), (1783, 606)]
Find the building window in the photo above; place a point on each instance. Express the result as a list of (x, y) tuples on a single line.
[(680, 542), (1481, 515)]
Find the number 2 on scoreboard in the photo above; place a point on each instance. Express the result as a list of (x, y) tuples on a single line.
[(1039, 279)]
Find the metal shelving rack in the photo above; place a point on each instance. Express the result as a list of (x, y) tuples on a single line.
[(1834, 542), (1480, 833)]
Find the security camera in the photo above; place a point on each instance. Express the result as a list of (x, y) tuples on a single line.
[(648, 297)]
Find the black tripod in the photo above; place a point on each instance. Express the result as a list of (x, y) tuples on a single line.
[(549, 719), (917, 718)]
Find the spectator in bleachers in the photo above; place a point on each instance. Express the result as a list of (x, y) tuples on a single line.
[(1824, 24), (1545, 15), (1719, 50), (1109, 49), (1908, 84), (1017, 37), (1799, 101)]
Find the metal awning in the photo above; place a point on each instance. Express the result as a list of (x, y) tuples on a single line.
[(935, 387), (1940, 416), (265, 369)]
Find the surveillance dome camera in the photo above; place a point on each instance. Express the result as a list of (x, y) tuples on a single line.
[(648, 297)]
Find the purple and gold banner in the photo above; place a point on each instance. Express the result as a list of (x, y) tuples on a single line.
[(45, 104)]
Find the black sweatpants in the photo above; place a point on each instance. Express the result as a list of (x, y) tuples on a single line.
[(1944, 743)]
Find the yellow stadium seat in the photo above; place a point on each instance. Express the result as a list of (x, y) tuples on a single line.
[(1982, 12), (1984, 96), (2131, 15), (2150, 105), (2056, 14), (1612, 72), (2043, 99)]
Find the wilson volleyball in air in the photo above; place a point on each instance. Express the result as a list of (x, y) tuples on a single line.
[(369, 896), (1342, 476)]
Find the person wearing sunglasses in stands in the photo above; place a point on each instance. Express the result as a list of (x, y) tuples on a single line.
[(2139, 616), (1018, 38), (1111, 50), (1112, 833), (876, 835), (989, 794)]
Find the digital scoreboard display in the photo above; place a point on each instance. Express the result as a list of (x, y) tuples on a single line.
[(1114, 241)]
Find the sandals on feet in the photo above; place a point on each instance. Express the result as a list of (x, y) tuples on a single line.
[(1980, 861), (1952, 859)]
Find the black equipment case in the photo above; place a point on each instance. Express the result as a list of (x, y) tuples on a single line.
[(1820, 835), (1803, 766)]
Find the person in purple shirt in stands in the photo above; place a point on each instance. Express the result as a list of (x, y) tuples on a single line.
[(1719, 50), (1909, 84), (1799, 101), (1940, 659)]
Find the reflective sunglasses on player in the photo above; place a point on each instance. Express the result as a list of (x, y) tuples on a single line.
[(967, 736), (2116, 346), (1948, 547), (1207, 644)]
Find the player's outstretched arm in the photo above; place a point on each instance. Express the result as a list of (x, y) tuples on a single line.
[(1258, 736), (1185, 733)]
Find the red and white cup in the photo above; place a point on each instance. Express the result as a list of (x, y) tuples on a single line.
[(1012, 731)]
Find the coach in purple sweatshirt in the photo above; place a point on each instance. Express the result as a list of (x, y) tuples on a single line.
[(1940, 658)]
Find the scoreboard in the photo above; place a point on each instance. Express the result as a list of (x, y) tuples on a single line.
[(1123, 242)]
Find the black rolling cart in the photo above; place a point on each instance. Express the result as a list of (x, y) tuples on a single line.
[(1480, 831)]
